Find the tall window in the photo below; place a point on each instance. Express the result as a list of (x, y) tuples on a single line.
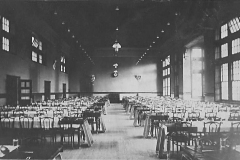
[(224, 81), (37, 54), (236, 80), (63, 64), (224, 31), (5, 35), (166, 76), (236, 46), (224, 50), (217, 83), (197, 68), (217, 52), (5, 44), (5, 24), (227, 80), (234, 25)]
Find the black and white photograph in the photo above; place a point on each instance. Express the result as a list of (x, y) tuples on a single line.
[(120, 79)]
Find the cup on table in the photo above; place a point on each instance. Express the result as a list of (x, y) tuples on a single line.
[(15, 142)]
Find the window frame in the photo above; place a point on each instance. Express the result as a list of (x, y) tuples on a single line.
[(37, 47), (233, 41), (166, 63), (5, 33), (63, 65)]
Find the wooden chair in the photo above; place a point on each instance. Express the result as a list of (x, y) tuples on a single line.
[(58, 113), (234, 109), (155, 122), (234, 138), (7, 126), (177, 117), (212, 116), (212, 136), (47, 129), (234, 116), (67, 130), (26, 128), (181, 134), (93, 118), (193, 116)]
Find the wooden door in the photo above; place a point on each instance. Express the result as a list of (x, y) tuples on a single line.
[(12, 90), (64, 90), (47, 90), (25, 92)]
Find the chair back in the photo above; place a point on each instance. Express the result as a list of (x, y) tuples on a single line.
[(65, 123), (193, 116), (7, 122), (26, 122), (210, 115), (234, 116), (47, 123), (212, 127), (58, 113), (235, 127)]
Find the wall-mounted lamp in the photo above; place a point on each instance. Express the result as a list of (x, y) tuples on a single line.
[(93, 78), (116, 46), (115, 65), (138, 77), (115, 73)]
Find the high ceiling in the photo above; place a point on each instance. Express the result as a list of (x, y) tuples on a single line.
[(93, 24)]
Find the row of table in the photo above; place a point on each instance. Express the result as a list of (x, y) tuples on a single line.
[(144, 115)]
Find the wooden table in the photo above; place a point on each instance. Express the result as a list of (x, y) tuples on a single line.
[(163, 131), (149, 123), (35, 152), (196, 154), (95, 116)]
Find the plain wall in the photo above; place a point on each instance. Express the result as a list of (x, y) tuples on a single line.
[(127, 69)]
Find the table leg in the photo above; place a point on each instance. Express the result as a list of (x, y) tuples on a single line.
[(152, 127), (79, 137)]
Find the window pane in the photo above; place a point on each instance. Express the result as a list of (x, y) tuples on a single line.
[(34, 56), (217, 83), (217, 52), (197, 66), (35, 42), (25, 90), (197, 85), (224, 81), (5, 44), (236, 80), (40, 59), (224, 31), (224, 50), (5, 24), (236, 46), (196, 53), (40, 45), (168, 60), (234, 25), (22, 84), (27, 84), (224, 90), (25, 98)]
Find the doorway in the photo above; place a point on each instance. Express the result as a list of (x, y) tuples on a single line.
[(25, 92), (64, 90), (12, 90), (47, 90)]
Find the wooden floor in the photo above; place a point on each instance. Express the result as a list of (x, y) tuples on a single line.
[(120, 141)]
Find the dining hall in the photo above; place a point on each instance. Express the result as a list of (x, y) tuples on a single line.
[(120, 79)]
